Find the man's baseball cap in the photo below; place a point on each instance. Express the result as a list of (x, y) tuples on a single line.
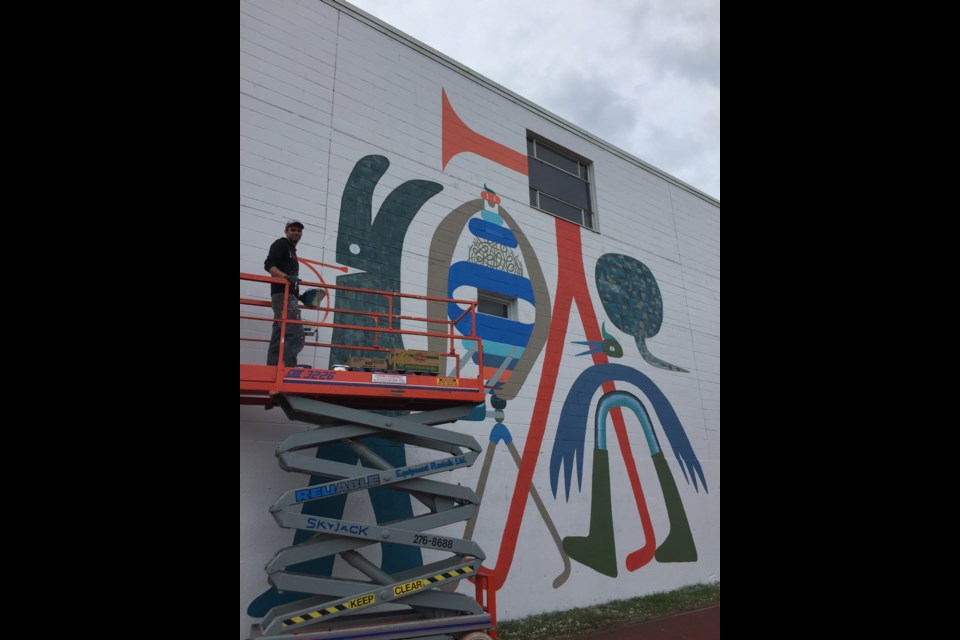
[(294, 223)]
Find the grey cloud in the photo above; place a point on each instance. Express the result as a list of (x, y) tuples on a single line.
[(682, 38), (592, 104)]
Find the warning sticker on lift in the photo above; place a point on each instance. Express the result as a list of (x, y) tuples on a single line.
[(448, 382), (424, 583), (409, 587), (362, 601), (359, 602), (388, 378)]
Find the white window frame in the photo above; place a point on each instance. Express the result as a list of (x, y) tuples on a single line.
[(510, 304)]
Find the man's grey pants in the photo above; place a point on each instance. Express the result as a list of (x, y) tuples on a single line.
[(293, 343)]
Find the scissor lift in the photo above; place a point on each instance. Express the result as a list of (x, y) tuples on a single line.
[(342, 407)]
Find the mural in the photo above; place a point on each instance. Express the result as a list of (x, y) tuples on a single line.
[(480, 245), (632, 300)]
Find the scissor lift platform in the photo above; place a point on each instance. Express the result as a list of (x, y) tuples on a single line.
[(342, 406), (258, 383)]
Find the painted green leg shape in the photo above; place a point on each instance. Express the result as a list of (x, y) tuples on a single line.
[(679, 545), (598, 549)]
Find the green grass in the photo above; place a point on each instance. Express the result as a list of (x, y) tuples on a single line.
[(569, 625)]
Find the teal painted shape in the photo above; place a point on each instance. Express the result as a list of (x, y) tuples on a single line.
[(503, 350), (490, 216), (631, 297)]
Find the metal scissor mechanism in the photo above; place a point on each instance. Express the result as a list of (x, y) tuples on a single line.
[(393, 606)]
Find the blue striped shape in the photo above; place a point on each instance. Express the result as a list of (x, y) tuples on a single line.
[(493, 233)]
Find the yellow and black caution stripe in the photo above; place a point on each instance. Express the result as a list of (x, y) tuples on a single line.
[(449, 574), (355, 603), (371, 599), (420, 584)]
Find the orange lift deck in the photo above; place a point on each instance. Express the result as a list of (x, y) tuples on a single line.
[(369, 389), (401, 394)]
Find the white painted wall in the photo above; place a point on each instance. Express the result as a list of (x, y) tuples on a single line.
[(322, 86)]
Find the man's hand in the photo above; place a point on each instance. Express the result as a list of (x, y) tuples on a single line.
[(292, 279)]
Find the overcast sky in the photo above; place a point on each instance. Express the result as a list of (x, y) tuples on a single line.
[(644, 75)]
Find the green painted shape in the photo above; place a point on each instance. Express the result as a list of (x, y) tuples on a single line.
[(679, 545), (598, 550), (374, 246)]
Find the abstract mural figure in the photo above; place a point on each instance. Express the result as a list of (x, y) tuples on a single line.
[(374, 246), (510, 346), (631, 297), (492, 265), (575, 291), (597, 550)]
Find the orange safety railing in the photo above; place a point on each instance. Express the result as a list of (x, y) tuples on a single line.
[(377, 323)]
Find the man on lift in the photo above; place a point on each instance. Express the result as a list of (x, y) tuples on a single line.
[(282, 262)]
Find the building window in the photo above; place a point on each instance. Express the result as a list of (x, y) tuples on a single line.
[(494, 304), (559, 182)]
